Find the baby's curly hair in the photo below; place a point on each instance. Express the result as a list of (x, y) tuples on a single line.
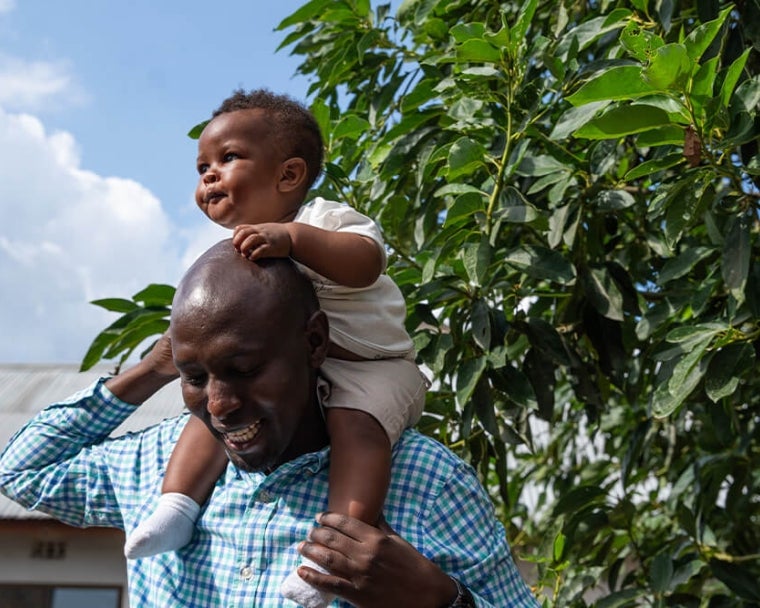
[(293, 126)]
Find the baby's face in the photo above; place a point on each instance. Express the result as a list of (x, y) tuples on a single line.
[(240, 171)]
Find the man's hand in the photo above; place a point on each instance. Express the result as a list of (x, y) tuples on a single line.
[(141, 381), (160, 358), (256, 241), (373, 567)]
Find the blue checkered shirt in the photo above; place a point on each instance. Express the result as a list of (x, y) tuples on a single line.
[(64, 463)]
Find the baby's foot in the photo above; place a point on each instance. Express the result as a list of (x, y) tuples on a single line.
[(168, 528), (302, 593)]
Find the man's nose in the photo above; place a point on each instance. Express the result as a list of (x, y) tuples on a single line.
[(222, 400)]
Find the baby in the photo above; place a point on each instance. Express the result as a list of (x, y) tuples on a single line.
[(257, 158)]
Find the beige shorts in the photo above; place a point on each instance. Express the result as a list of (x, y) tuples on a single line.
[(390, 390)]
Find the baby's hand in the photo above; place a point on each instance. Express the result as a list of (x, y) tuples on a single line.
[(255, 241)]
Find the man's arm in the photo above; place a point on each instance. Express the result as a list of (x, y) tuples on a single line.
[(375, 567), (55, 463)]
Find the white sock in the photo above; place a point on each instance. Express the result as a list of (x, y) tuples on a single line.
[(302, 593), (169, 527)]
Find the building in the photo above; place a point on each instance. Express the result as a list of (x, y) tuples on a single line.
[(44, 563)]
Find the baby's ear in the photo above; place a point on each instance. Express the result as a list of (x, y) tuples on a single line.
[(293, 173)]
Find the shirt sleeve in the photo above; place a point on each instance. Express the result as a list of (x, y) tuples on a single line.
[(57, 463), (469, 543), (340, 217)]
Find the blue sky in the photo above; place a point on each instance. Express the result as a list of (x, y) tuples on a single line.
[(96, 170)]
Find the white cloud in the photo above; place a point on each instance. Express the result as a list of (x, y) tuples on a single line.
[(68, 236), (30, 85)]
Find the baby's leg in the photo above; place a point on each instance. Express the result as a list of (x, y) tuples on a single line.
[(196, 463), (360, 464), (360, 472)]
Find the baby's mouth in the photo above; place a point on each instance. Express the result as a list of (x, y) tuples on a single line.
[(213, 197)]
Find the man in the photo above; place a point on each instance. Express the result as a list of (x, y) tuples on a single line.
[(247, 341)]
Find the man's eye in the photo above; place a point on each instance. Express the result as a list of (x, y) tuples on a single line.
[(192, 380), (230, 156), (202, 168)]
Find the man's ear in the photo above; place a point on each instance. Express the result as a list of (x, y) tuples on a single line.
[(318, 336), (293, 174)]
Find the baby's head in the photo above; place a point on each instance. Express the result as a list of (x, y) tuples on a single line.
[(257, 158)]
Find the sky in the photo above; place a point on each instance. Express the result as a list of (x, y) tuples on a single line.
[(96, 170)]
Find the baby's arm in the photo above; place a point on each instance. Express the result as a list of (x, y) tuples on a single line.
[(348, 258)]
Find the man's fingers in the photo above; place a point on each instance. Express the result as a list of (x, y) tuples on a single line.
[(348, 526)]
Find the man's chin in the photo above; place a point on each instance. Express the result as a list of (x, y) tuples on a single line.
[(247, 466)]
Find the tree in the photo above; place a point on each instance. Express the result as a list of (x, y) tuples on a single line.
[(570, 194)]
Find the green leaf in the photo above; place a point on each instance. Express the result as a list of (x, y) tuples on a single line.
[(458, 189), (515, 208), (656, 164), (731, 78), (578, 498), (699, 39), (681, 265), (115, 304), (196, 131), (541, 164), (350, 126), (468, 375), (155, 294), (661, 573), (613, 200), (616, 83), (559, 546), (524, 20), (478, 51), (737, 250), (662, 136), (737, 577), (726, 368), (516, 385), (669, 68), (547, 340), (305, 13), (624, 120), (639, 42), (692, 334), (687, 374), (602, 292), (619, 599), (99, 345), (465, 156), (541, 263), (476, 258), (574, 118), (481, 324), (463, 207)]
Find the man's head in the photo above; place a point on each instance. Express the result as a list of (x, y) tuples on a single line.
[(248, 339), (257, 158)]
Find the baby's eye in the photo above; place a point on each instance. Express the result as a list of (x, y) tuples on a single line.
[(202, 168), (230, 156)]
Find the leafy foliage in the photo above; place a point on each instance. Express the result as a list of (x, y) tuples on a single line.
[(570, 194)]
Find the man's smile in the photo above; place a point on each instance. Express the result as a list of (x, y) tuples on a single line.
[(239, 438)]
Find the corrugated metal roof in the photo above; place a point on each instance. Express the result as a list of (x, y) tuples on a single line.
[(25, 389)]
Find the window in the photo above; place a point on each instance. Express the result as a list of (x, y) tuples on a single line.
[(47, 596)]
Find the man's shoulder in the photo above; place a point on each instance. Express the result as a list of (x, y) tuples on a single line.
[(419, 452)]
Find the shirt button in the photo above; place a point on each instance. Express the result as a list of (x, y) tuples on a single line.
[(265, 496), (246, 573)]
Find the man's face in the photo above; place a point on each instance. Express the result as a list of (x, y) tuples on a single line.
[(239, 170), (248, 373)]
